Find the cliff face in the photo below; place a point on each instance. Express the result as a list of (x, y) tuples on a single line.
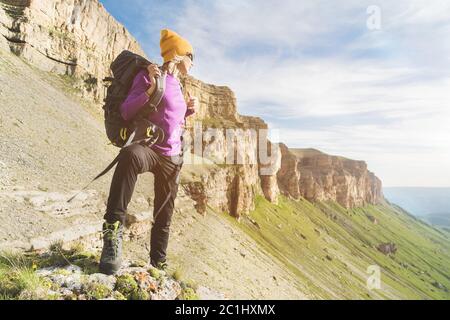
[(289, 175), (317, 176), (219, 134), (306, 173), (71, 37), (80, 39)]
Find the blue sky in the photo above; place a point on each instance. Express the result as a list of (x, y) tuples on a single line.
[(320, 76)]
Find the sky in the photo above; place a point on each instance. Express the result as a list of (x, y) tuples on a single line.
[(367, 80)]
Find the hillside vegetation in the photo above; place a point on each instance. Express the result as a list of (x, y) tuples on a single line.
[(330, 248)]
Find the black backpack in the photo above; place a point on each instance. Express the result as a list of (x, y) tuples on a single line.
[(122, 133)]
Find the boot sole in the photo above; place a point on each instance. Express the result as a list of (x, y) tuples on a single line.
[(108, 269)]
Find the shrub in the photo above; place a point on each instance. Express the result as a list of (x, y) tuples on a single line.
[(126, 285)]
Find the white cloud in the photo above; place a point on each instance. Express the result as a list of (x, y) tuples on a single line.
[(312, 59)]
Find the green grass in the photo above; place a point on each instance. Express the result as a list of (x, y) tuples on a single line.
[(177, 274), (17, 275), (18, 279), (189, 294), (329, 249), (75, 255)]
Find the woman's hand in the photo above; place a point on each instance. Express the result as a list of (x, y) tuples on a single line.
[(193, 103), (153, 73)]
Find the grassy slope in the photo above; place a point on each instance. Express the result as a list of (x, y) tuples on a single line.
[(301, 236)]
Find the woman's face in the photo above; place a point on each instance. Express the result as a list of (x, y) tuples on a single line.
[(186, 64)]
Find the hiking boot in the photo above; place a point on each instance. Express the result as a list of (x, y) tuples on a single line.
[(161, 265), (111, 258)]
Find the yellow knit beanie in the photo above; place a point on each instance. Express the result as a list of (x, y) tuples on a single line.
[(173, 44)]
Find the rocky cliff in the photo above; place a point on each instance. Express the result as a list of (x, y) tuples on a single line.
[(318, 176), (71, 37), (217, 132), (296, 173), (68, 37)]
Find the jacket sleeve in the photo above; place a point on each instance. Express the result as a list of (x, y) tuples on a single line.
[(137, 96)]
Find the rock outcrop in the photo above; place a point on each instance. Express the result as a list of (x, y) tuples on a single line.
[(218, 133), (268, 171), (72, 274), (70, 37), (297, 173), (289, 175), (320, 176), (387, 248)]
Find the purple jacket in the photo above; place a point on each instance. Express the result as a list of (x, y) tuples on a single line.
[(171, 113)]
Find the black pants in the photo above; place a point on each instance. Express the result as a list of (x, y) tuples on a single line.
[(134, 160)]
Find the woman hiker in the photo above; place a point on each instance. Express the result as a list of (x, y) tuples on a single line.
[(163, 159)]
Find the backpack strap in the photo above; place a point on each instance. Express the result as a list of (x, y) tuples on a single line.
[(109, 167), (159, 91), (156, 97)]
